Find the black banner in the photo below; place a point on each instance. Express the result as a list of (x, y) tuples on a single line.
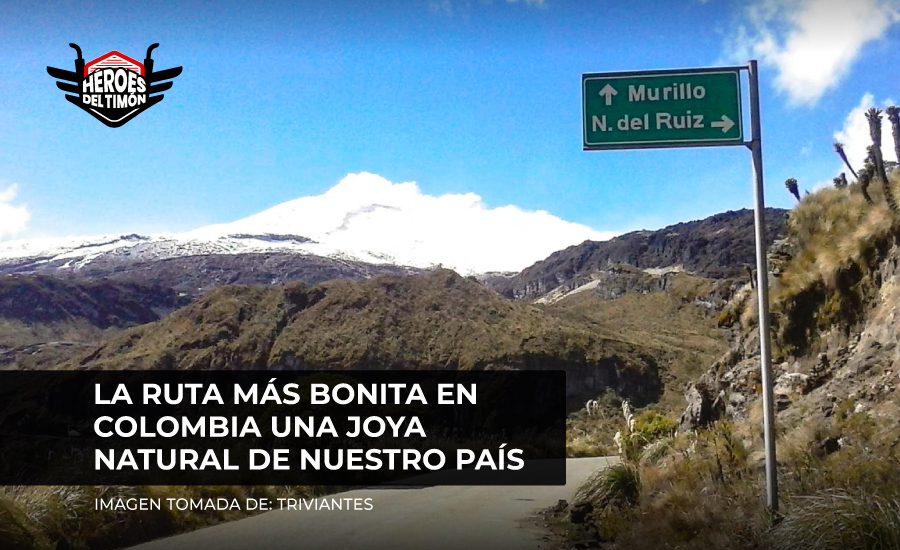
[(282, 428)]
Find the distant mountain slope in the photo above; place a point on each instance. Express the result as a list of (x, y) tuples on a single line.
[(678, 324), (437, 320), (194, 275), (103, 304), (716, 247), (434, 321), (44, 320)]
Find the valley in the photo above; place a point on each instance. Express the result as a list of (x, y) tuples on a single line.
[(293, 310), (657, 320)]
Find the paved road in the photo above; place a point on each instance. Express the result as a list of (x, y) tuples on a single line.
[(433, 518)]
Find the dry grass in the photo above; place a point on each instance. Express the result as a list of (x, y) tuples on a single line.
[(53, 517), (707, 491), (705, 483), (832, 229), (840, 520), (582, 443), (839, 240)]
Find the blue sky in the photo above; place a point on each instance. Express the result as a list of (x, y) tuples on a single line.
[(283, 100)]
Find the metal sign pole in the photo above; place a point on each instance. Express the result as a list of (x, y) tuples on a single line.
[(641, 110), (762, 284)]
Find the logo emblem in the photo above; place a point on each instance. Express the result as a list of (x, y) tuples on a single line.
[(114, 88)]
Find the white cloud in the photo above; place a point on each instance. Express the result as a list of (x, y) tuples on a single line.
[(812, 43), (13, 218), (855, 133), (443, 6), (365, 215)]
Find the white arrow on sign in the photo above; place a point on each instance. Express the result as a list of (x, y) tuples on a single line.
[(725, 124), (608, 91)]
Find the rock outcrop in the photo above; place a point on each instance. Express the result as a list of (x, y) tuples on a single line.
[(857, 365)]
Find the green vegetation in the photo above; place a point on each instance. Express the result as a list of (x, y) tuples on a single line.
[(438, 321), (618, 486), (676, 327), (685, 490), (673, 325), (651, 425)]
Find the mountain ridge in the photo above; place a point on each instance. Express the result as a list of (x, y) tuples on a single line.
[(640, 261), (719, 246)]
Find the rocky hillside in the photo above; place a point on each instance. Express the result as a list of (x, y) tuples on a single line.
[(835, 311), (835, 299), (716, 247)]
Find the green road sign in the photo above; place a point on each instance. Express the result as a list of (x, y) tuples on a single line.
[(674, 108)]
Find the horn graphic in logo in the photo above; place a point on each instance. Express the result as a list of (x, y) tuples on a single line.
[(114, 88)]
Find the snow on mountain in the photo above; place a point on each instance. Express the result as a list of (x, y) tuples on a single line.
[(364, 217)]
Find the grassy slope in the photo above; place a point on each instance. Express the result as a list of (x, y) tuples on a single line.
[(682, 333), (434, 321), (439, 320), (840, 243)]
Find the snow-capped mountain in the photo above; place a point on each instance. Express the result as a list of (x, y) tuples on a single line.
[(364, 218)]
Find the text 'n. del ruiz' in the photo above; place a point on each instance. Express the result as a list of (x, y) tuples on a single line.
[(663, 120)]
